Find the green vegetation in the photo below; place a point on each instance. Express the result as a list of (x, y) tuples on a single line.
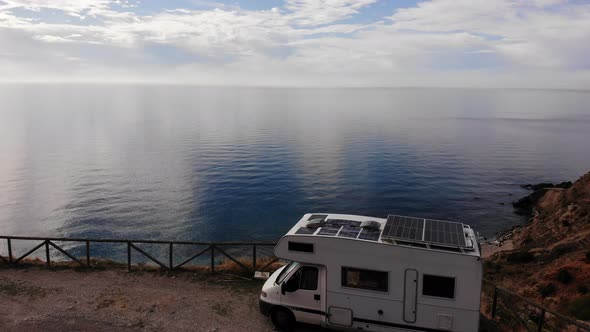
[(580, 308), (564, 276), (520, 257), (547, 290)]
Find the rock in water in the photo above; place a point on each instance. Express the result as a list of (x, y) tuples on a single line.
[(526, 204)]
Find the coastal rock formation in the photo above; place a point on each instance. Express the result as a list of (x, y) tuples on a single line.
[(526, 204), (549, 258), (562, 215), (544, 185)]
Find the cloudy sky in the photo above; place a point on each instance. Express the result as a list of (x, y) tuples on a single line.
[(499, 43)]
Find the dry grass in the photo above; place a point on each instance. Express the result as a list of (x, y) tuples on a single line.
[(225, 266), (229, 266), (11, 288)]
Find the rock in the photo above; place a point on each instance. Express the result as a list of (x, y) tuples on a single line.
[(538, 186), (564, 185), (543, 185), (526, 204)]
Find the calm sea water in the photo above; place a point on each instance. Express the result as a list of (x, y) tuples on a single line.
[(218, 164)]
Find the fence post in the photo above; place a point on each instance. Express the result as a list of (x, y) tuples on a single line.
[(541, 320), (171, 251), (254, 258), (495, 301), (128, 256), (48, 260), (87, 253), (9, 250), (212, 247)]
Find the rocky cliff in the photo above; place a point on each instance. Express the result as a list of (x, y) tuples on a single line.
[(549, 258)]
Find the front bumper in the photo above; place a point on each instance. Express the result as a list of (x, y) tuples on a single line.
[(264, 307)]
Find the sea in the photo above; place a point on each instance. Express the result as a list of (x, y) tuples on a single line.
[(174, 162)]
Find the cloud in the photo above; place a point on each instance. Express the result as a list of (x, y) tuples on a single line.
[(302, 42), (525, 33), (313, 12)]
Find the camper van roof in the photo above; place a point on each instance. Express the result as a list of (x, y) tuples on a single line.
[(395, 230)]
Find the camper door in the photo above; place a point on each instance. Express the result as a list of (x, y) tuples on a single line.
[(303, 293)]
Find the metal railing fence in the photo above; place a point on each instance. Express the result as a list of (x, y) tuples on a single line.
[(133, 245), (522, 314)]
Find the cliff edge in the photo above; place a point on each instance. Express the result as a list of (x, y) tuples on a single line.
[(548, 260)]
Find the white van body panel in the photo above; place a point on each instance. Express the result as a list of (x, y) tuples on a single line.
[(402, 307)]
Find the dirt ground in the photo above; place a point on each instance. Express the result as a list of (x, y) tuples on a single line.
[(39, 299), (34, 298), (488, 249)]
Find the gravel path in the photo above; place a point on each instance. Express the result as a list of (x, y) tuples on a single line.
[(38, 299)]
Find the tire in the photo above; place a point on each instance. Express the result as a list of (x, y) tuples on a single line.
[(282, 318)]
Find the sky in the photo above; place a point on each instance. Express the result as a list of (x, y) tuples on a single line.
[(308, 43)]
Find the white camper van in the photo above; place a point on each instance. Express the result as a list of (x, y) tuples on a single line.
[(351, 272)]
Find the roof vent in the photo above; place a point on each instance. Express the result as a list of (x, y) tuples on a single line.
[(314, 224), (371, 224), (316, 220)]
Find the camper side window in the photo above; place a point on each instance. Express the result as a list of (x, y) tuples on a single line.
[(309, 278), (300, 246), (364, 279), (438, 286)]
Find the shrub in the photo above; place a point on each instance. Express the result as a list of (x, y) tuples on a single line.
[(520, 257), (582, 289), (580, 308), (547, 290), (492, 267), (563, 249), (528, 241), (564, 276)]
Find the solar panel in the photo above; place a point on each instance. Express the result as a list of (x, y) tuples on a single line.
[(444, 232), (349, 232), (407, 228), (424, 230), (343, 222), (329, 230), (370, 234), (340, 227), (305, 230)]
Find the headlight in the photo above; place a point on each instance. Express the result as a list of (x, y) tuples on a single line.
[(263, 294)]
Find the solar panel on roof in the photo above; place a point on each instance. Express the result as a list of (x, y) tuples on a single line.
[(329, 230), (305, 230), (444, 232), (404, 228), (424, 230), (369, 234), (343, 222), (349, 232)]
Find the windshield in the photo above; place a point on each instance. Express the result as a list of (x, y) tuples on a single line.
[(292, 266)]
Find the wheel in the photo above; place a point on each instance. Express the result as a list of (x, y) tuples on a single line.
[(282, 318)]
